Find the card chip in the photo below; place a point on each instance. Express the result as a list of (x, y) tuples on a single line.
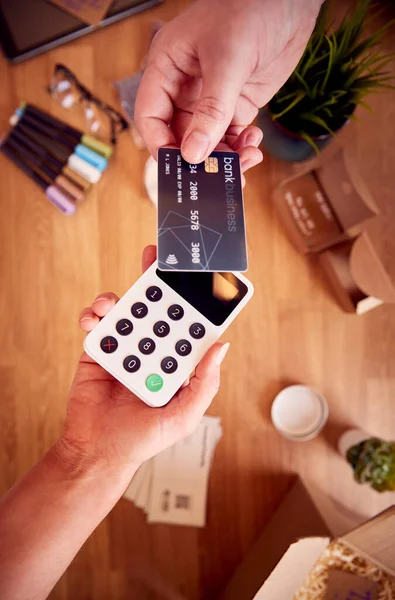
[(211, 164)]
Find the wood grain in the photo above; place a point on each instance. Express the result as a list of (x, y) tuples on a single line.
[(292, 331)]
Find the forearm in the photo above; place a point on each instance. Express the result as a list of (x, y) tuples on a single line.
[(47, 516)]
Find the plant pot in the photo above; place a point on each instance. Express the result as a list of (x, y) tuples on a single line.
[(350, 438), (284, 144)]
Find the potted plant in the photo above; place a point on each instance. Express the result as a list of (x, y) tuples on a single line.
[(372, 459), (337, 70)]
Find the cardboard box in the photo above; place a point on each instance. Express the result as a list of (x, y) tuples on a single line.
[(329, 211), (324, 206), (357, 275), (296, 517), (279, 562)]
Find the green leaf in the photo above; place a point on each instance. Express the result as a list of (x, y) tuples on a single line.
[(312, 59), (302, 82), (305, 136), (339, 68), (290, 106), (365, 105), (287, 97), (330, 63), (317, 120), (315, 90), (354, 118)]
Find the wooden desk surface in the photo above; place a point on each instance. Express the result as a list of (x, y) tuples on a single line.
[(292, 331)]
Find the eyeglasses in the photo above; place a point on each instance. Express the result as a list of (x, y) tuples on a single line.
[(103, 120)]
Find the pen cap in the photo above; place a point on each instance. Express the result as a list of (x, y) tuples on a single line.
[(91, 157), (76, 178), (76, 193), (60, 200), (104, 149), (84, 169)]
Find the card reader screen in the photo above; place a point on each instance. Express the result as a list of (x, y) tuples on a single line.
[(214, 295)]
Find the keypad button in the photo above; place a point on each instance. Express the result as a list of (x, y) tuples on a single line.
[(169, 364), (139, 310), (154, 383), (154, 293), (175, 312), (183, 347), (147, 346), (131, 363), (161, 329), (124, 327), (109, 344), (197, 331)]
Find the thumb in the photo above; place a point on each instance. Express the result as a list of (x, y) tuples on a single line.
[(213, 113)]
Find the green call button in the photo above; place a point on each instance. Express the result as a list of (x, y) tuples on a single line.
[(154, 383)]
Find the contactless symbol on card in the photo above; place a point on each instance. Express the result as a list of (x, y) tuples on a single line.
[(200, 213)]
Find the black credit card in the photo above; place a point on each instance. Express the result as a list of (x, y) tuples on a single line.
[(200, 213)]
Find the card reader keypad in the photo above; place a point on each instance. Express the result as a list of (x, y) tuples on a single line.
[(109, 344), (139, 310), (143, 348), (156, 334)]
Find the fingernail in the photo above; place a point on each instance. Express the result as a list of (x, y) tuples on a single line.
[(222, 353), (195, 147), (87, 318), (253, 139), (100, 298)]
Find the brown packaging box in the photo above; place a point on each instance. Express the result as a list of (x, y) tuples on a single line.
[(325, 206), (283, 556), (296, 517), (328, 211)]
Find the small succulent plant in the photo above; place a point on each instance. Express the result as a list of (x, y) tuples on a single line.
[(373, 462)]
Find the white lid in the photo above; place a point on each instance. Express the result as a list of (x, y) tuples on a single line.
[(299, 412)]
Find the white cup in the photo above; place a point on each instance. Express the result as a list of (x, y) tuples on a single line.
[(299, 413), (151, 180)]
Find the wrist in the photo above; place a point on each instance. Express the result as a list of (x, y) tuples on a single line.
[(73, 463)]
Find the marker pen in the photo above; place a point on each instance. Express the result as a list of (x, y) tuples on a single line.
[(46, 150), (90, 156), (62, 153), (78, 179), (98, 146), (53, 174), (58, 165), (54, 195)]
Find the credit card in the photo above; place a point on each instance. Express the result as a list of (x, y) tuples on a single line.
[(200, 213)]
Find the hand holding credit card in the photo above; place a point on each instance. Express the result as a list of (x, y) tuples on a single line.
[(200, 213)]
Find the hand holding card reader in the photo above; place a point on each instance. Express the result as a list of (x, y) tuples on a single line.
[(158, 332)]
